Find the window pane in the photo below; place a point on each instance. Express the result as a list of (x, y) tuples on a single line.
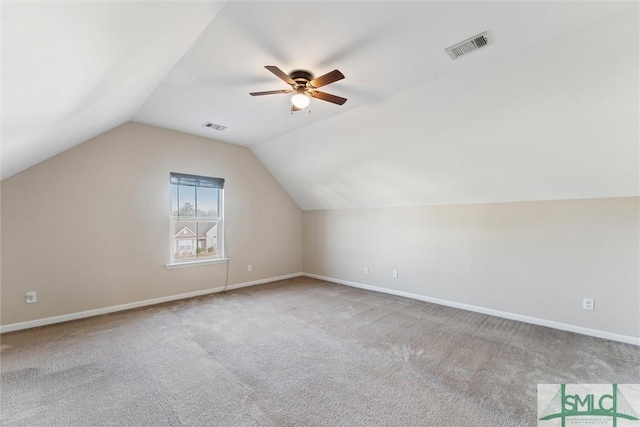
[(196, 223), (208, 202), (184, 241), (187, 201), (174, 200), (207, 239)]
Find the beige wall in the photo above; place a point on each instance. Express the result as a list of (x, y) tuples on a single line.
[(89, 228), (537, 259)]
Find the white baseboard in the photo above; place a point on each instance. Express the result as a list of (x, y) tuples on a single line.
[(506, 315), (105, 310)]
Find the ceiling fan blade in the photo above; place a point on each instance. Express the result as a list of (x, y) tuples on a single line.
[(330, 77), (270, 92), (328, 97), (280, 74)]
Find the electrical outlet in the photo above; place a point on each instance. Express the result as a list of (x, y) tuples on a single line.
[(588, 304), (394, 273), (30, 297), (249, 267), (365, 270)]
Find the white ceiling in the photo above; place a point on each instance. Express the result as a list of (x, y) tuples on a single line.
[(73, 70), (548, 111)]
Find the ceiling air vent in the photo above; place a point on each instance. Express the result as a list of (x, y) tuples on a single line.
[(469, 45), (214, 126)]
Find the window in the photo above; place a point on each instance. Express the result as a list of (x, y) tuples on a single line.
[(197, 232)]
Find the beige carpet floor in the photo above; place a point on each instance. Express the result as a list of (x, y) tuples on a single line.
[(295, 353)]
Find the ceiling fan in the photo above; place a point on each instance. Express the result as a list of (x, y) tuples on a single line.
[(305, 87)]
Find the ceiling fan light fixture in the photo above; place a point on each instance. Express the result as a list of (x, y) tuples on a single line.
[(300, 100)]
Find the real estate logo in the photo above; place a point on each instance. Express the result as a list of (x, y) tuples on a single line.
[(591, 405)]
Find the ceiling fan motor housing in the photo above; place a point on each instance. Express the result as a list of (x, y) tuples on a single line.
[(301, 77)]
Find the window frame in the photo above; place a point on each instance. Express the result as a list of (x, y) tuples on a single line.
[(196, 219)]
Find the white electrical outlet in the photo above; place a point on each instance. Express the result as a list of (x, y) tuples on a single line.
[(249, 267), (394, 273), (588, 304), (365, 270), (30, 297)]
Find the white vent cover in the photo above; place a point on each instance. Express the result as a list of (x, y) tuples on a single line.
[(214, 126), (469, 45)]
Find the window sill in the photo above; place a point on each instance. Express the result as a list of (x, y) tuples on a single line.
[(195, 263)]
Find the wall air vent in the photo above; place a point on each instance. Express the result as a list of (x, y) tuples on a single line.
[(469, 45), (214, 126)]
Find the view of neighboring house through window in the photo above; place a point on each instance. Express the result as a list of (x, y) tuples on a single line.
[(196, 217)]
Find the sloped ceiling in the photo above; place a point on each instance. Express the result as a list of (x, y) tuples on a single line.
[(73, 70), (548, 111), (557, 120)]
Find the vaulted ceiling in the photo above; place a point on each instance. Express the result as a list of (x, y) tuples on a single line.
[(549, 110)]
